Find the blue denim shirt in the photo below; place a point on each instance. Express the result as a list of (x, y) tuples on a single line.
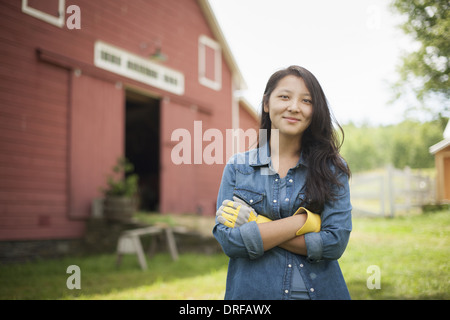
[(259, 275)]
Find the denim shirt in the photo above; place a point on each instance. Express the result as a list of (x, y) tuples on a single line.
[(255, 274)]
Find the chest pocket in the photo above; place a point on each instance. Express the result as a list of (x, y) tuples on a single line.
[(299, 201), (252, 198)]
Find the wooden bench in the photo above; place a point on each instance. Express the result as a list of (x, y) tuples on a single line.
[(129, 242)]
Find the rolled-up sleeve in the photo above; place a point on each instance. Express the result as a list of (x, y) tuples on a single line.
[(331, 242), (242, 242)]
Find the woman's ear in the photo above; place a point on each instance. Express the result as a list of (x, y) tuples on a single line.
[(266, 105)]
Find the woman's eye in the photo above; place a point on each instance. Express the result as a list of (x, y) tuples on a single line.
[(284, 97), (307, 101)]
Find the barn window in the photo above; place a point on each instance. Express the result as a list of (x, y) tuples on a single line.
[(138, 68), (51, 11), (209, 63)]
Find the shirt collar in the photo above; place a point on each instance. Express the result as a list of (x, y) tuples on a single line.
[(261, 157)]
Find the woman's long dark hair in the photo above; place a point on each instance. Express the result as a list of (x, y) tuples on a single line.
[(320, 143)]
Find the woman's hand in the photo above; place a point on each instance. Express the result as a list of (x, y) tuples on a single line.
[(286, 233), (235, 213)]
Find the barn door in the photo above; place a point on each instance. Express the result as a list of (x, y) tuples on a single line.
[(96, 139)]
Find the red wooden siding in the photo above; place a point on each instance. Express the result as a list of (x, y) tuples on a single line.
[(33, 144), (189, 188), (96, 139), (248, 120), (61, 132), (447, 178)]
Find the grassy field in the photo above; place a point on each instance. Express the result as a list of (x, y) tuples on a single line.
[(412, 254)]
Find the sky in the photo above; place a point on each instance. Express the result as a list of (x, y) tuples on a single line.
[(353, 47)]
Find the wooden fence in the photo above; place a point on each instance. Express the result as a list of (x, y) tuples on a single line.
[(389, 191)]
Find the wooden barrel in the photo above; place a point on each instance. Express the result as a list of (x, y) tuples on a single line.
[(119, 208)]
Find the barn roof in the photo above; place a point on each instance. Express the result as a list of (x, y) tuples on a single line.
[(444, 143)]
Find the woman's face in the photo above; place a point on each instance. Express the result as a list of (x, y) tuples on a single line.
[(290, 106)]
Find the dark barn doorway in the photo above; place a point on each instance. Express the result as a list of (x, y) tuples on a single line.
[(142, 136)]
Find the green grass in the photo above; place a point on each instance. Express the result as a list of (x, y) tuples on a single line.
[(411, 251), (192, 276)]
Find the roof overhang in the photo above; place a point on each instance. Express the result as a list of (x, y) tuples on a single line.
[(444, 143), (439, 146)]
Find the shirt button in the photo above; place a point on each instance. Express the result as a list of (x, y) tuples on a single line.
[(276, 179), (287, 199), (251, 200), (312, 289), (301, 265), (274, 200), (289, 265), (286, 291), (290, 180)]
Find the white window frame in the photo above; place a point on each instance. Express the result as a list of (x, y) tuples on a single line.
[(57, 21), (132, 66), (203, 42)]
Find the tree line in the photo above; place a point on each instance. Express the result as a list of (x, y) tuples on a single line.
[(407, 143)]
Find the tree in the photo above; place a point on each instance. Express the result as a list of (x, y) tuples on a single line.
[(428, 22), (363, 147), (404, 144)]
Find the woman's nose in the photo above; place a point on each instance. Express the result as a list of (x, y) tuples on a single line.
[(294, 106)]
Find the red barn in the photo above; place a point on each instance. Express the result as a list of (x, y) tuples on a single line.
[(84, 82)]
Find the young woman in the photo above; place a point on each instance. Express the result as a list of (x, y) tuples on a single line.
[(284, 212)]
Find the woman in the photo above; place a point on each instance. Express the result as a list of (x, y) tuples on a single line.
[(278, 248)]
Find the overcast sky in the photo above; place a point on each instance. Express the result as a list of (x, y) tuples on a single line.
[(351, 46)]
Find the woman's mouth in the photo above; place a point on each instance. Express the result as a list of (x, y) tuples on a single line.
[(291, 120)]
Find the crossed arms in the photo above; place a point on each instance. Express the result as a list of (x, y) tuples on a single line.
[(287, 233)]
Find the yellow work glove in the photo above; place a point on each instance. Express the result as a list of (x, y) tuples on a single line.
[(312, 223), (236, 213)]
